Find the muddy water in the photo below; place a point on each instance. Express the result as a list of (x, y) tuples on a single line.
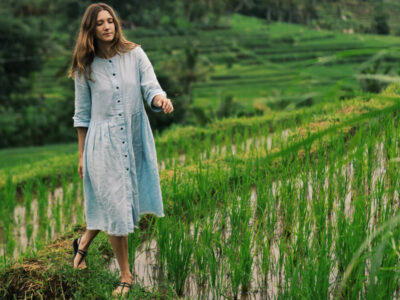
[(146, 268), (55, 201)]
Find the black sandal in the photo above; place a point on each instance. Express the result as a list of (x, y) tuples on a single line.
[(124, 284), (83, 253)]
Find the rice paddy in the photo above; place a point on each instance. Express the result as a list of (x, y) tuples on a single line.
[(298, 203)]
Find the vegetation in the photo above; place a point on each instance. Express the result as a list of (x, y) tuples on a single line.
[(280, 63), (211, 210), (279, 177)]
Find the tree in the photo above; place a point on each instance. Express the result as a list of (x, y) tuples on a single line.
[(380, 23), (21, 53), (233, 6)]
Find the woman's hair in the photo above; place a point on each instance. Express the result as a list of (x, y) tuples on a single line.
[(86, 44)]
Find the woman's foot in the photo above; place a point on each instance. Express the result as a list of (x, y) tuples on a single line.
[(78, 257), (124, 287)]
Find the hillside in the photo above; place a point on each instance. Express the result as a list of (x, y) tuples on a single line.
[(273, 67), (294, 192)]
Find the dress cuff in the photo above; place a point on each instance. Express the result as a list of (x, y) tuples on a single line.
[(156, 108), (80, 123)]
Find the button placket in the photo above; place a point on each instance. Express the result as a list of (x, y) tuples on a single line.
[(120, 111), (123, 136)]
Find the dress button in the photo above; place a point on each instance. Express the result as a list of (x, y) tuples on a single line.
[(119, 115), (113, 74), (110, 60), (122, 128), (127, 169), (117, 87), (126, 155), (123, 142), (119, 101)]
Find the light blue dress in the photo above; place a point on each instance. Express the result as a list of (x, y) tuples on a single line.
[(120, 172)]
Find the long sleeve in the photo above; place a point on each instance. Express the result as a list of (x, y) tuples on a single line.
[(148, 81), (83, 102)]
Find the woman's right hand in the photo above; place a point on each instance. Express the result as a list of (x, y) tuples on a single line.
[(80, 167)]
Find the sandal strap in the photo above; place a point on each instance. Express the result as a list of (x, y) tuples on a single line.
[(125, 284), (83, 254)]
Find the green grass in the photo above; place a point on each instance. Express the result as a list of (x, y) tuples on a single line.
[(295, 242), (14, 157), (317, 235)]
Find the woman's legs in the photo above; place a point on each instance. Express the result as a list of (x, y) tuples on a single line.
[(120, 247), (84, 244)]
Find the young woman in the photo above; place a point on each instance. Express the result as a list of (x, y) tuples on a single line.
[(117, 157)]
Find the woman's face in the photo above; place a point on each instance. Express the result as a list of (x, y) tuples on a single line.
[(105, 28)]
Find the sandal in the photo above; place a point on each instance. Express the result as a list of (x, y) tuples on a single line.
[(124, 284), (83, 253)]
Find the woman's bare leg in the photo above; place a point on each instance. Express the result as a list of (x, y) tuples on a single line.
[(120, 247), (84, 244)]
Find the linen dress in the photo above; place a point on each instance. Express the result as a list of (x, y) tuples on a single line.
[(120, 172)]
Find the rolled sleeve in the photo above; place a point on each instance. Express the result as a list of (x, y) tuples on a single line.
[(83, 102), (149, 84)]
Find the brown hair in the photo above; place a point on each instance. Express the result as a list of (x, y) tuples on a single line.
[(86, 44)]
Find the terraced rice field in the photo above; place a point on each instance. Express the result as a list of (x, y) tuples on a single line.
[(276, 215), (298, 203)]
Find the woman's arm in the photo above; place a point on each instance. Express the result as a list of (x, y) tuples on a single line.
[(82, 115), (83, 102), (81, 142), (148, 81)]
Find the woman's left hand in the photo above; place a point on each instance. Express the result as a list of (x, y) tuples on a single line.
[(164, 103)]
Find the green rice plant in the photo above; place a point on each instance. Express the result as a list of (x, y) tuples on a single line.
[(162, 241), (27, 191), (9, 192), (67, 200), (214, 251), (75, 185), (134, 241), (239, 244), (56, 214), (246, 259), (7, 204), (235, 271), (28, 197), (384, 252), (9, 243), (43, 199), (179, 253), (265, 263), (79, 212), (53, 182), (200, 255), (49, 230)]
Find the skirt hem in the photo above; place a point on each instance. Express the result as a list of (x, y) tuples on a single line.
[(134, 226)]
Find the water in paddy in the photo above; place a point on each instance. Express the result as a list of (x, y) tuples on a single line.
[(55, 204)]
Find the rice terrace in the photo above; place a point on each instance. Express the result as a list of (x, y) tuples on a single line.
[(278, 168)]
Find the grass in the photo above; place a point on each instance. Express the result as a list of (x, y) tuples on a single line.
[(299, 201), (303, 225)]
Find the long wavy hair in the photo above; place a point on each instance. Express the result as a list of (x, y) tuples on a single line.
[(86, 44)]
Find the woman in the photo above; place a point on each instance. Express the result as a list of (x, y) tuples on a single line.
[(117, 157)]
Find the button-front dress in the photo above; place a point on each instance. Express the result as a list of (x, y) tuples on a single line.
[(120, 172)]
